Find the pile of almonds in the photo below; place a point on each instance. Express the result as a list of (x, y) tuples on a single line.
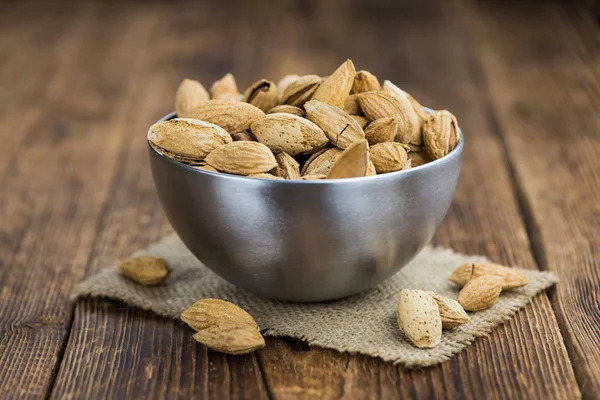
[(304, 127), (421, 315)]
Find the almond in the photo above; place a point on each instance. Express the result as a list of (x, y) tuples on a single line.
[(284, 83), (388, 157), (418, 158), (146, 270), (288, 133), (381, 130), (223, 326), (440, 134), (190, 94), (371, 169), (480, 293), (225, 89), (262, 94), (245, 136), (186, 139), (352, 163), (341, 129), (419, 318), (407, 165), (382, 104), (451, 311), (352, 106), (207, 168), (231, 116), (311, 177), (287, 168), (242, 158), (287, 109), (416, 119), (364, 81), (335, 89), (511, 277), (301, 90), (362, 121), (321, 161)]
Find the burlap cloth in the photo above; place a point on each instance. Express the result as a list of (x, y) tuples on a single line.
[(364, 323)]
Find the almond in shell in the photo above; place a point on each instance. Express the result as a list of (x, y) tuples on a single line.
[(335, 89), (262, 94), (352, 106), (511, 278), (341, 129), (362, 121), (352, 163), (231, 116), (440, 134), (415, 119), (381, 130), (186, 139), (364, 81), (320, 163), (242, 158), (381, 104), (418, 316), (480, 293), (244, 135), (287, 109), (388, 156), (287, 167), (284, 82), (301, 90), (451, 311), (225, 89), (288, 133), (145, 270), (265, 175), (190, 94), (418, 158)]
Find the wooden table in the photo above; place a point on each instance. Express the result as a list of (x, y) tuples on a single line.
[(82, 81)]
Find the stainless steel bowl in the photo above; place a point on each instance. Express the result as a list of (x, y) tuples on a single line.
[(305, 240)]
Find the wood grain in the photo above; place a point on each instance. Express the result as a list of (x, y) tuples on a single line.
[(545, 90), (76, 192)]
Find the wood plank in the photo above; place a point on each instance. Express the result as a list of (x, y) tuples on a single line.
[(118, 352), (523, 358), (55, 182), (545, 89)]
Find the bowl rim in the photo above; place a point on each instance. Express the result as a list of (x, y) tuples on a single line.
[(456, 152)]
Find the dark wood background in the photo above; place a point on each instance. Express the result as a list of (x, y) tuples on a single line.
[(80, 82)]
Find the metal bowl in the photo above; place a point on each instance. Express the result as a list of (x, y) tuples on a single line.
[(305, 240)]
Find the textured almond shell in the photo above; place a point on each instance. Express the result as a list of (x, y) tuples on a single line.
[(371, 169), (451, 311), (189, 95), (146, 270), (287, 109), (362, 121), (187, 139), (231, 338), (207, 312), (341, 129), (364, 81), (242, 136), (287, 167), (288, 133), (419, 318), (301, 90), (262, 94), (352, 163), (480, 293), (320, 163), (511, 278), (382, 104), (381, 130), (242, 158), (229, 115), (335, 89), (352, 106), (418, 158), (265, 175), (440, 134), (284, 82), (225, 89), (388, 156), (415, 119)]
